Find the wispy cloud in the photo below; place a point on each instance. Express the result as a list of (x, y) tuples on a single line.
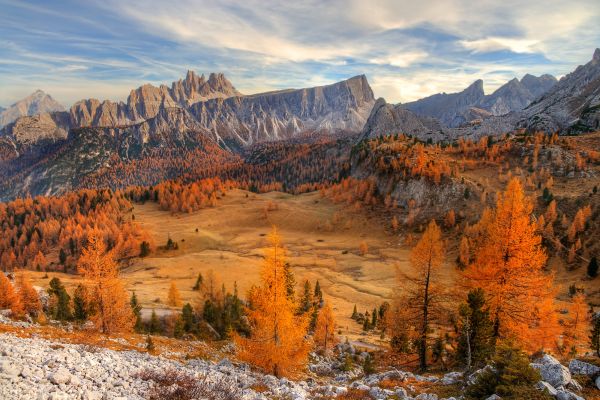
[(407, 49)]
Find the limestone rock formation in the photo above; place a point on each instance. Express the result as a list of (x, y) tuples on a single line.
[(472, 105), (243, 120), (390, 119), (447, 108), (146, 101), (573, 103), (36, 103)]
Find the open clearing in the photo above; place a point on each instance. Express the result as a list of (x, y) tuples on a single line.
[(322, 240)]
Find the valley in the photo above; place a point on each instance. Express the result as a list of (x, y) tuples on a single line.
[(379, 209)]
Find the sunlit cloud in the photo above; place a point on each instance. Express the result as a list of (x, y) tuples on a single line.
[(408, 50)]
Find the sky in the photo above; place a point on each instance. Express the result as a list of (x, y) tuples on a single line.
[(407, 49)]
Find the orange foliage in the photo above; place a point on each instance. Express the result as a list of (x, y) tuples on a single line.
[(9, 298), (105, 290), (174, 296), (28, 296), (324, 336), (277, 341), (508, 265), (422, 295), (577, 324)]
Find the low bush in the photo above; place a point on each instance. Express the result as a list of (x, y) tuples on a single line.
[(171, 384)]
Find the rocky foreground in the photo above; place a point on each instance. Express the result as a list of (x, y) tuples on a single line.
[(34, 368)]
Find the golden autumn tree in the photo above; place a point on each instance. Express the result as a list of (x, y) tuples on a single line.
[(464, 252), (508, 265), (9, 300), (324, 335), (174, 296), (576, 324), (277, 341), (28, 296), (422, 292), (105, 290)]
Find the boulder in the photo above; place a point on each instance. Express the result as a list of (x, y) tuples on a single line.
[(541, 385), (9, 368), (451, 378), (567, 395), (427, 396), (60, 376), (494, 397), (552, 371), (598, 382), (401, 394), (577, 367)]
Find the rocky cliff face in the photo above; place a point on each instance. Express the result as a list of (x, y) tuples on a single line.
[(573, 103), (458, 109), (448, 108), (241, 121), (36, 103), (390, 119), (145, 102)]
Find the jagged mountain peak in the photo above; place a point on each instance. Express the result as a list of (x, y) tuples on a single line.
[(475, 87), (36, 103), (596, 55)]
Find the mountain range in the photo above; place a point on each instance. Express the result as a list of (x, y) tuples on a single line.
[(570, 105), (49, 150), (456, 109)]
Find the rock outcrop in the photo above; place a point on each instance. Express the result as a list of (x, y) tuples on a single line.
[(449, 107), (146, 101), (36, 103), (390, 119), (241, 121), (471, 105), (572, 104)]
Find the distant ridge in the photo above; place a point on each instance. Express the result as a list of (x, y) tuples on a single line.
[(36, 103)]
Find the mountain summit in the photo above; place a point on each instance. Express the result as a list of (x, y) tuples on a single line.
[(36, 103), (456, 109)]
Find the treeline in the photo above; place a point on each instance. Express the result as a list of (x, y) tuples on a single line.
[(291, 165), (178, 197), (49, 233)]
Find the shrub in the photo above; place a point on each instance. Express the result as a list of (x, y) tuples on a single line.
[(171, 384), (511, 377)]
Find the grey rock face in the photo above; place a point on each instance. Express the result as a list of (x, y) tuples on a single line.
[(541, 385), (553, 371), (573, 103), (577, 367), (244, 120), (146, 101), (36, 103), (390, 119), (448, 107), (457, 109)]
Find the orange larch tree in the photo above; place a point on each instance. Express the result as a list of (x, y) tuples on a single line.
[(508, 264), (28, 296), (422, 292), (277, 341), (324, 335), (105, 289), (9, 300), (576, 324), (174, 296)]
